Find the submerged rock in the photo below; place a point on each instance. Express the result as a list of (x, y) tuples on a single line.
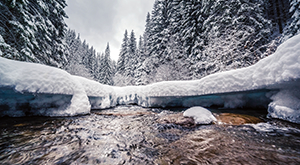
[(236, 119), (177, 119)]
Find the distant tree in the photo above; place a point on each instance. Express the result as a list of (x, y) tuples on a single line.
[(131, 58), (123, 54), (74, 48), (107, 70)]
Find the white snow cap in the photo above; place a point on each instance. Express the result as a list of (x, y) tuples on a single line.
[(200, 115), (37, 79)]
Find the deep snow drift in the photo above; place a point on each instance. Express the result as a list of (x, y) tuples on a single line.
[(275, 79)]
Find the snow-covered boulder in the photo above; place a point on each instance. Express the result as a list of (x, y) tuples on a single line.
[(286, 105), (200, 115)]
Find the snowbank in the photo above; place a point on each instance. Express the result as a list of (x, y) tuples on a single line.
[(35, 89), (272, 72), (200, 115), (100, 96), (45, 90)]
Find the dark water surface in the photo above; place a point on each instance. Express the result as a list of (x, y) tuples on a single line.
[(133, 135)]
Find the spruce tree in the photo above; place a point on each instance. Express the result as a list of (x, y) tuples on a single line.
[(123, 54), (33, 31), (107, 71), (293, 26), (131, 58)]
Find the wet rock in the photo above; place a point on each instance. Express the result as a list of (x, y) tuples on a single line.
[(177, 119), (134, 112), (236, 119)]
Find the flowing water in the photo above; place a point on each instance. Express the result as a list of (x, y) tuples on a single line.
[(134, 135)]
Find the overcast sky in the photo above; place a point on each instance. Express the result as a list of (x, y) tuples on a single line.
[(102, 21)]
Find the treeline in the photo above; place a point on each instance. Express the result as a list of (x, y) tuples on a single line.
[(183, 39), (35, 31), (86, 62), (191, 39)]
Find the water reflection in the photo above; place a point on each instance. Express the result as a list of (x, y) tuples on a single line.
[(134, 135)]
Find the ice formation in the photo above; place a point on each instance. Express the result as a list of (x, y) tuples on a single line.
[(200, 115), (273, 82)]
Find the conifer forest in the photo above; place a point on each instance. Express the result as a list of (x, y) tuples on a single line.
[(182, 40)]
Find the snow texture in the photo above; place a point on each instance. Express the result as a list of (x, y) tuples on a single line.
[(286, 105), (100, 96), (269, 73), (44, 84), (275, 79), (200, 115)]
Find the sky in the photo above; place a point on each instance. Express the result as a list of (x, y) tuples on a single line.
[(103, 21)]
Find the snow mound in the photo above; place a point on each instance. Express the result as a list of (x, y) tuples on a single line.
[(38, 87), (286, 105), (27, 88), (200, 115), (281, 67), (100, 96)]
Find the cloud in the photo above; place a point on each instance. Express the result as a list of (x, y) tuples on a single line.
[(102, 21)]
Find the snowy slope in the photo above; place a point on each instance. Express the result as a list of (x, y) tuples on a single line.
[(276, 77)]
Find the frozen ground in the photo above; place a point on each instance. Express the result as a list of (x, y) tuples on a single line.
[(273, 82)]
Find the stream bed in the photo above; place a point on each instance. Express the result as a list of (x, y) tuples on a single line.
[(135, 135)]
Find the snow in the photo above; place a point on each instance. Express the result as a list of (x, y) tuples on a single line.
[(36, 80), (273, 82), (286, 105), (200, 115), (283, 66), (100, 96)]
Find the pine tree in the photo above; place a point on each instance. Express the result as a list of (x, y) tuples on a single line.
[(34, 31), (131, 58), (107, 71), (293, 27), (123, 55), (140, 59), (147, 34), (236, 35)]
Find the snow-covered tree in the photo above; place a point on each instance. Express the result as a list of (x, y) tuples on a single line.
[(34, 31), (236, 35), (131, 58), (293, 26), (106, 68), (123, 54)]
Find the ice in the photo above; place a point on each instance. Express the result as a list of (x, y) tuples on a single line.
[(200, 115), (244, 99), (132, 95)]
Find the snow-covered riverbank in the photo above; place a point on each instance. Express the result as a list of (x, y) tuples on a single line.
[(49, 89)]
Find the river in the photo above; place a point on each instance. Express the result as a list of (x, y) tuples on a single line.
[(135, 135)]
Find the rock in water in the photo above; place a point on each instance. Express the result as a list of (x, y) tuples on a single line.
[(177, 119), (236, 119), (200, 115)]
